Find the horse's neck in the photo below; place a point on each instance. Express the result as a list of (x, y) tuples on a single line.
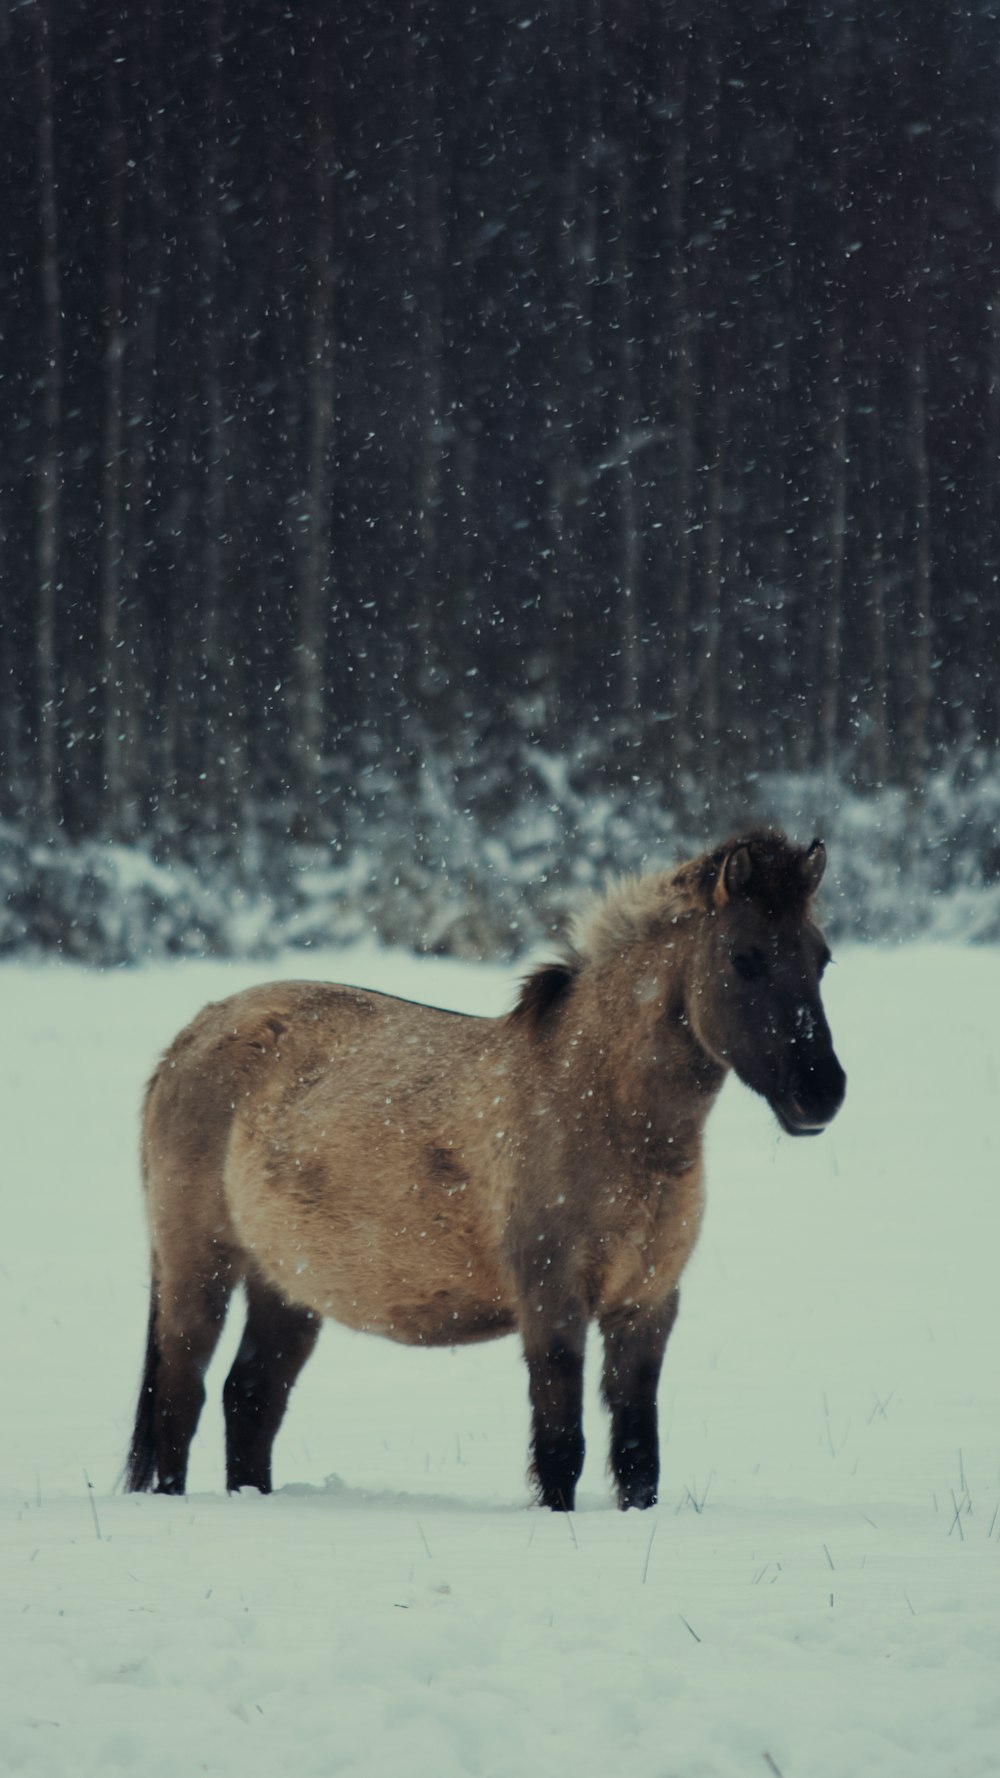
[(633, 1053)]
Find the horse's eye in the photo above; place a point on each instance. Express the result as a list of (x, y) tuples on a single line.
[(750, 965)]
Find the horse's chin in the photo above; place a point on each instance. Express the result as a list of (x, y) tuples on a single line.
[(793, 1117), (793, 1121)]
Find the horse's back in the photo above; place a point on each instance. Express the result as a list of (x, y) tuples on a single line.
[(274, 1051)]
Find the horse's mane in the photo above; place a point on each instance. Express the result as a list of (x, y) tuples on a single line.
[(627, 911), (634, 905)]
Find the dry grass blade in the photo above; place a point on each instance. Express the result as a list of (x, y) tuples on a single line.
[(649, 1551), (93, 1506)]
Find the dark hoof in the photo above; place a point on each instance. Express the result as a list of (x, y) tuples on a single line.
[(638, 1496), (560, 1502)]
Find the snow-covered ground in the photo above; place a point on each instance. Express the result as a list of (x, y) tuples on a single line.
[(817, 1596)]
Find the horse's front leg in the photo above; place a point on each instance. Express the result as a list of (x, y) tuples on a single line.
[(554, 1351), (552, 1317), (634, 1343)]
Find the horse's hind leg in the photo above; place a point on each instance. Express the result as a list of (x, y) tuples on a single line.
[(187, 1322), (554, 1353), (634, 1343), (277, 1340)]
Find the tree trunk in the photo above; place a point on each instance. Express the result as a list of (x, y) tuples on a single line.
[(140, 595), (781, 471), (684, 331), (921, 621), (220, 741), (116, 734), (435, 575), (710, 678), (308, 716), (631, 684), (688, 269), (47, 535), (878, 670), (830, 618), (574, 122), (984, 659)]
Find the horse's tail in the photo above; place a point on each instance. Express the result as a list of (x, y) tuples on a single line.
[(140, 1467)]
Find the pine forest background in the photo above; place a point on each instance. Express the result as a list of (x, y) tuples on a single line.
[(451, 450)]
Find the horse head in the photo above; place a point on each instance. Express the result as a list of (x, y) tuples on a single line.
[(753, 998)]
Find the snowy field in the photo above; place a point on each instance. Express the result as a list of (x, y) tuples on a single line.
[(817, 1596)]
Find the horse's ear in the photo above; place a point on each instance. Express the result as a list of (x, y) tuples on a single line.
[(813, 865), (735, 872)]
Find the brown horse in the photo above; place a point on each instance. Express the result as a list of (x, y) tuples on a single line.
[(438, 1178)]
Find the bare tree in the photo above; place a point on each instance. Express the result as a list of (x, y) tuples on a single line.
[(919, 650), (688, 273), (574, 125), (145, 269), (117, 736), (425, 177), (830, 615), (983, 708), (219, 734), (874, 539), (49, 516), (710, 677), (833, 460), (623, 109), (309, 678)]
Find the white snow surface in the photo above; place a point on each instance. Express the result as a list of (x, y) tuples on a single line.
[(817, 1595)]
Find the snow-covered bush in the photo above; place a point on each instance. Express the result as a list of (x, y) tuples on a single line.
[(454, 864)]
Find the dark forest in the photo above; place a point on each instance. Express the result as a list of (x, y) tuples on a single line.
[(440, 420)]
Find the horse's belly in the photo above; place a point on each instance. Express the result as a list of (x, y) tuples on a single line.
[(447, 1318), (373, 1298), (405, 1291), (380, 1256)]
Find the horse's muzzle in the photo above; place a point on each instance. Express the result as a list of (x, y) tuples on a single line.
[(815, 1099)]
